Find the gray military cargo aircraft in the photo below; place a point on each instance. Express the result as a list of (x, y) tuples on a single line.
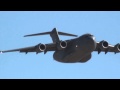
[(74, 50)]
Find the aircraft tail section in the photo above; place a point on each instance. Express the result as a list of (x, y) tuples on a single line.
[(54, 34)]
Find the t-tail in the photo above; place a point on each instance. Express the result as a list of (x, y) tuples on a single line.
[(54, 34)]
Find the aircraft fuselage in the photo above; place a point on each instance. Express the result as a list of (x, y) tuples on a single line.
[(71, 50), (78, 50)]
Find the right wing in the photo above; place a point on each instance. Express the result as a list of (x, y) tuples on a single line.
[(37, 48), (42, 47)]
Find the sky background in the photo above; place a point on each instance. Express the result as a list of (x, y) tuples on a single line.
[(104, 25)]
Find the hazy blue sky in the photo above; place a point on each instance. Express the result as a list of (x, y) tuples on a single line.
[(14, 25)]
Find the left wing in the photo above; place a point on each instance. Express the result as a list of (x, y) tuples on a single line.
[(103, 46), (37, 48)]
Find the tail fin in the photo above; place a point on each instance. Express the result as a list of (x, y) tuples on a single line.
[(54, 29)]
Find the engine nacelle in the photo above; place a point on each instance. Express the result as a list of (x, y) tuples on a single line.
[(40, 47), (103, 45), (61, 45), (117, 47)]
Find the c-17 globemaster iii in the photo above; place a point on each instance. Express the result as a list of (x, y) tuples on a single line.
[(74, 50)]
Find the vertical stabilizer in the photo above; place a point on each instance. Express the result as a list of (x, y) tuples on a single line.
[(54, 35)]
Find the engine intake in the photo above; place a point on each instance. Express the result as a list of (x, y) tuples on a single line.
[(103, 44), (117, 47), (62, 45), (40, 47)]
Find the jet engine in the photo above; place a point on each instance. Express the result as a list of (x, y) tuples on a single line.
[(117, 47), (40, 47), (103, 45), (61, 45)]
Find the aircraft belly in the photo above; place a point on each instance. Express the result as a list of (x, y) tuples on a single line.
[(72, 57), (61, 56), (86, 58)]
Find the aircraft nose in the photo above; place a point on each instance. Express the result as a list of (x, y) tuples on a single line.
[(92, 37)]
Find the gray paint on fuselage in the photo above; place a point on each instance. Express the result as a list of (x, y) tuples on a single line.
[(86, 58), (78, 49)]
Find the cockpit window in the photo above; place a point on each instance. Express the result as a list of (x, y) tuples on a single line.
[(88, 34)]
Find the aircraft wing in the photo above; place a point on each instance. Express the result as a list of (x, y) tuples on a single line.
[(37, 48), (103, 46)]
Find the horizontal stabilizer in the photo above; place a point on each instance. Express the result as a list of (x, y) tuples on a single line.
[(66, 34), (44, 33)]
